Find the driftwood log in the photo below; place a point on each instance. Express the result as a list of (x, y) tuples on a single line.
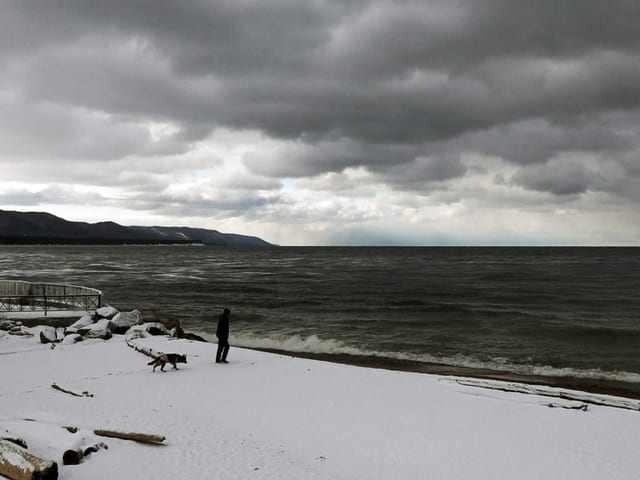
[(136, 437), (18, 464), (64, 390)]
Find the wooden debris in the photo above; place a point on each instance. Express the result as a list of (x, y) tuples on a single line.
[(136, 437), (72, 457), (21, 442), (94, 448), (584, 397), (75, 456), (584, 407), (18, 464), (64, 390)]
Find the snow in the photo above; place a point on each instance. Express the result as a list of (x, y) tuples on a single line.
[(267, 416)]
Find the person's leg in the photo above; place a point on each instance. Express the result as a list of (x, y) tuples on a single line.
[(225, 351), (219, 351)]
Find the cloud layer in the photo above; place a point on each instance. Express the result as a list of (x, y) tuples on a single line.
[(356, 122)]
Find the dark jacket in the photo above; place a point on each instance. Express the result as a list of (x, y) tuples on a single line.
[(223, 326)]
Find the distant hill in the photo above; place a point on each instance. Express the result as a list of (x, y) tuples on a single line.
[(44, 228)]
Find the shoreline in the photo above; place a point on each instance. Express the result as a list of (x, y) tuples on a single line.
[(596, 386)]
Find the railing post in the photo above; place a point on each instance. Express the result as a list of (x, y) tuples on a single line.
[(45, 304)]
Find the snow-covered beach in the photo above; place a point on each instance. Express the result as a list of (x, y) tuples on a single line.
[(268, 416)]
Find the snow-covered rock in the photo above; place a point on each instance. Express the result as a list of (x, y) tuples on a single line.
[(7, 324), (155, 328), (123, 321), (106, 312), (72, 338), (82, 322), (21, 330), (100, 329), (136, 332), (47, 334)]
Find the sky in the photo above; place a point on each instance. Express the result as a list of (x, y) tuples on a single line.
[(353, 122)]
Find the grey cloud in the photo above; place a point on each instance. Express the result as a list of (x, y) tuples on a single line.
[(424, 173), (538, 141), (402, 89), (293, 83), (54, 132), (54, 194), (558, 177), (303, 159), (228, 202)]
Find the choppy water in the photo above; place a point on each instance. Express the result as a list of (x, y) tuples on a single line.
[(552, 311)]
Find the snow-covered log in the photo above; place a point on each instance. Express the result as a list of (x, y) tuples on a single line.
[(18, 464)]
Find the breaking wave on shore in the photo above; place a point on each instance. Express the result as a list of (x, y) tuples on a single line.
[(313, 344)]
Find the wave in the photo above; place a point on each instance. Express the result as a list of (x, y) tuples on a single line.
[(316, 345)]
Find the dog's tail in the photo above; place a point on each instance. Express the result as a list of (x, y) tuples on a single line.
[(152, 361)]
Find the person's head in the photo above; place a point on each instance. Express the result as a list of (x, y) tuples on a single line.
[(227, 311)]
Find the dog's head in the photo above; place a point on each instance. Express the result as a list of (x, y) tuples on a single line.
[(181, 359)]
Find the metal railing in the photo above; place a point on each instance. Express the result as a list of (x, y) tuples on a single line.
[(21, 296)]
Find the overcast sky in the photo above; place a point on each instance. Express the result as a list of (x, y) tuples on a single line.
[(432, 122)]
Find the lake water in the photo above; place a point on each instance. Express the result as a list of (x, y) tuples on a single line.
[(570, 313)]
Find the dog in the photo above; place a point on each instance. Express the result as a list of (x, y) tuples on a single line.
[(172, 358)]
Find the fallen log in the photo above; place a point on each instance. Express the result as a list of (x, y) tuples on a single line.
[(136, 437), (18, 464)]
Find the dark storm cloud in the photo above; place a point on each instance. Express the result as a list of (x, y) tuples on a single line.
[(561, 178), (402, 88)]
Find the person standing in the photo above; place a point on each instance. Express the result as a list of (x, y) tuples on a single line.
[(222, 332)]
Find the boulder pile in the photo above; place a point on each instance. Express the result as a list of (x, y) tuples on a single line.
[(106, 322)]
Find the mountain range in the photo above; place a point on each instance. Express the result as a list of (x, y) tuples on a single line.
[(45, 228)]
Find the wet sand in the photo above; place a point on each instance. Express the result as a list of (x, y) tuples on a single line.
[(599, 386)]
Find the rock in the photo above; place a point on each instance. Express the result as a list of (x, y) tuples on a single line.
[(72, 338), (83, 322), (47, 334), (136, 332), (178, 332), (106, 312), (170, 323), (21, 330), (123, 321), (60, 334), (101, 329), (156, 328), (7, 324)]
